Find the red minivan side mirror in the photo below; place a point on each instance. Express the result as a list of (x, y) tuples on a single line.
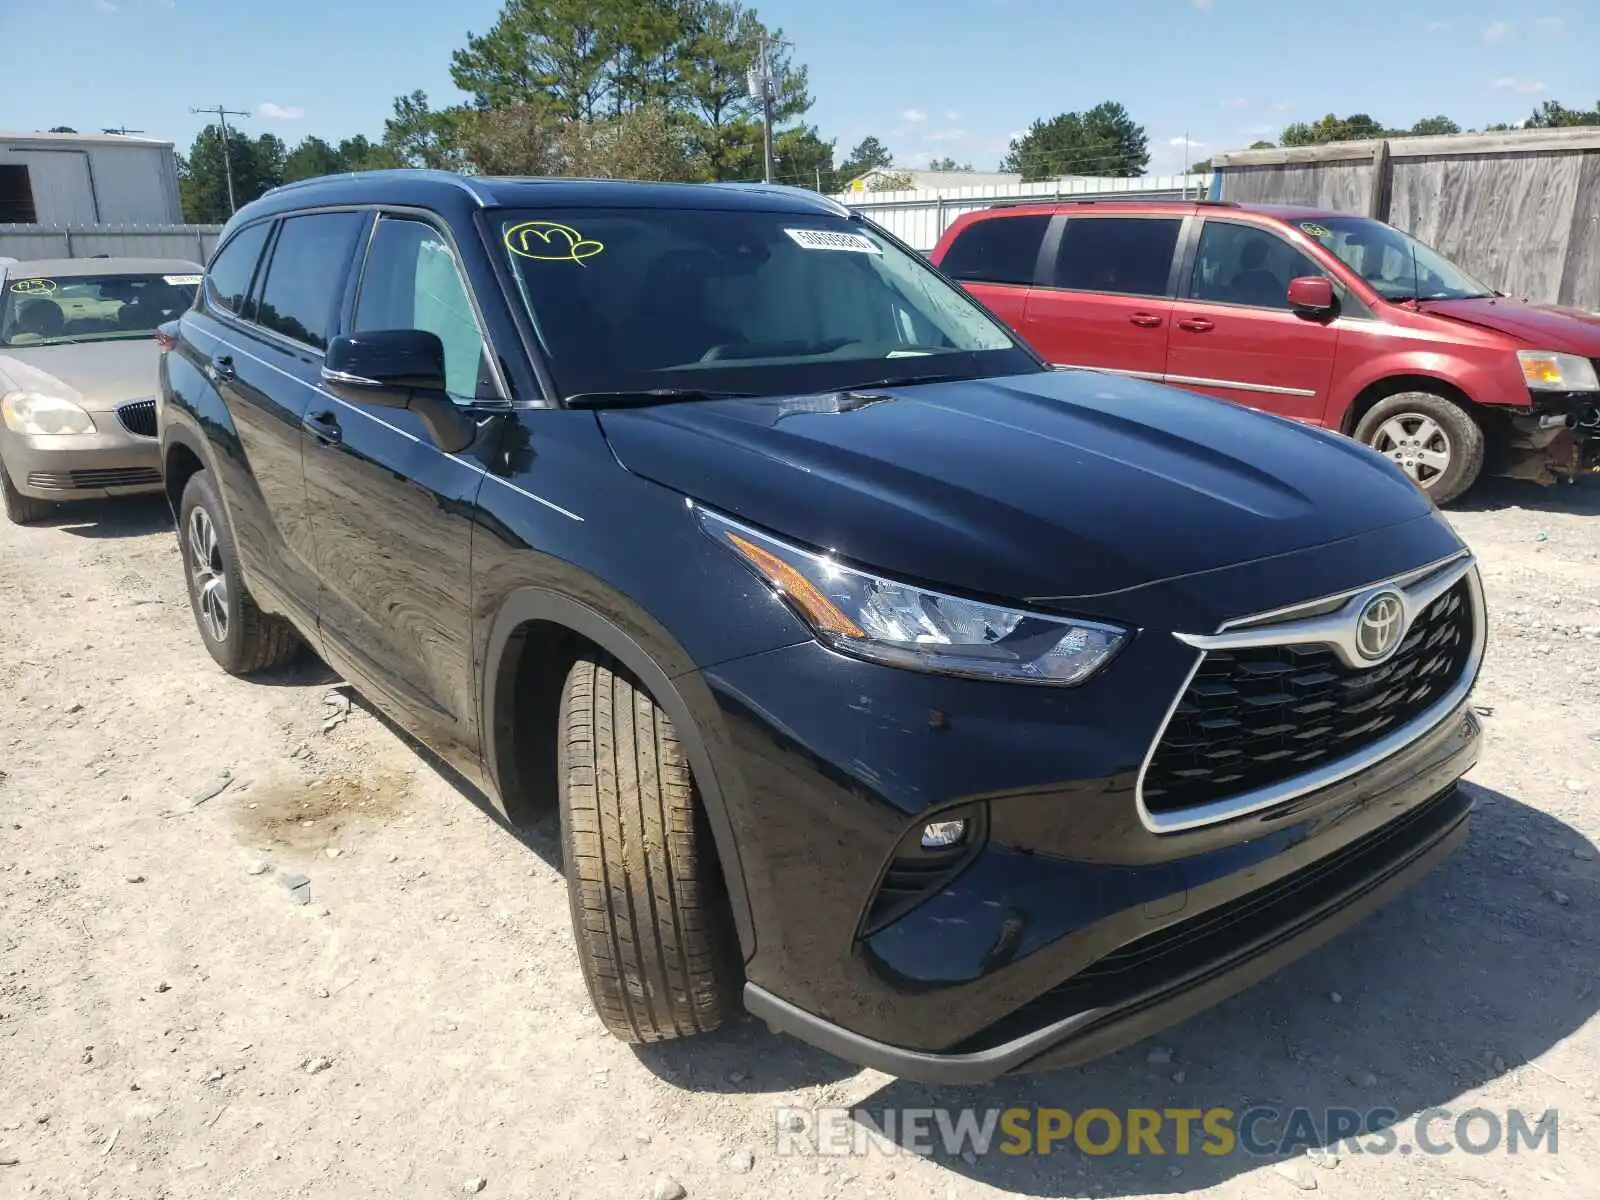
[(1311, 295)]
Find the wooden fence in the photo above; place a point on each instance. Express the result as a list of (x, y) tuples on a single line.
[(1519, 210)]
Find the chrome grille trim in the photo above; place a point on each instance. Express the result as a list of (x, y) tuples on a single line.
[(1272, 629)]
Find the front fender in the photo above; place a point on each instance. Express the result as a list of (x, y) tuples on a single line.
[(665, 669)]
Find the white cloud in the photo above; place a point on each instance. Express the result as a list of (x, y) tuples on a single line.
[(945, 135), (1236, 102), (105, 5), (914, 116), (1280, 107), (279, 112), (952, 115), (1508, 83), (1497, 31), (1550, 24), (1436, 26), (1202, 5), (1181, 142)]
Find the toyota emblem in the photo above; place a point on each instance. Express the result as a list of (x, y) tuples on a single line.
[(1380, 626)]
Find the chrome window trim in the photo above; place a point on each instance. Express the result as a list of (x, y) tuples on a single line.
[(1427, 584)]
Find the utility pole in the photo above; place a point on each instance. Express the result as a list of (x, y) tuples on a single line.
[(762, 85), (227, 146)]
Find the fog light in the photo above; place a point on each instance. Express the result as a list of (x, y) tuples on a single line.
[(941, 835)]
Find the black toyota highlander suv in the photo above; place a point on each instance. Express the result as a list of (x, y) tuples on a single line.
[(953, 713)]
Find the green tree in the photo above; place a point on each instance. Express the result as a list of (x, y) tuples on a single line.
[(202, 180), (1104, 140), (62, 129), (1552, 115), (312, 157), (805, 159), (1354, 128), (1203, 167), (948, 164), (1434, 126), (1263, 145), (868, 154), (420, 136), (359, 154), (560, 51)]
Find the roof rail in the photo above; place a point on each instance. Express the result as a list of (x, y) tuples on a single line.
[(447, 177), (1134, 199)]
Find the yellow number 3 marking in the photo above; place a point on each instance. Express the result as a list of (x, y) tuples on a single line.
[(547, 241), (34, 287)]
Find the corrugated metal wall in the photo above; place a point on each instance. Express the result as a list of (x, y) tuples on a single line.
[(97, 180), (1520, 210), (919, 218), (194, 242)]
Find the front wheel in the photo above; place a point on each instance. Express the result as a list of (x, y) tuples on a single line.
[(20, 509), (651, 916), (1433, 440), (240, 637)]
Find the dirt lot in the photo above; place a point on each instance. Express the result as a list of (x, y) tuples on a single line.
[(174, 1021)]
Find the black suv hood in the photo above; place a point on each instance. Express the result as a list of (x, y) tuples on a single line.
[(1061, 484)]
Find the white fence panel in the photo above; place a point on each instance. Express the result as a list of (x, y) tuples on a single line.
[(194, 242), (919, 218)]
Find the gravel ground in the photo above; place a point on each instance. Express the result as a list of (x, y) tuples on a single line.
[(177, 1020)]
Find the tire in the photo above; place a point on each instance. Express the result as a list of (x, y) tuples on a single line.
[(649, 910), (239, 636), (20, 509), (1433, 440)]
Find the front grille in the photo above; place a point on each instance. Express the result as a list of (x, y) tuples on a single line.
[(1253, 718), (113, 477), (139, 418)]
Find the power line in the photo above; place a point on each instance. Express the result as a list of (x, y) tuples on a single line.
[(227, 146)]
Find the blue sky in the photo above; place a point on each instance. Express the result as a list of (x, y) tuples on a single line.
[(930, 78)]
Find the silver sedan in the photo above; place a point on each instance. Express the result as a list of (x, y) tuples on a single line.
[(78, 371)]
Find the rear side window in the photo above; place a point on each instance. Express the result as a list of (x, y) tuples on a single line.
[(1130, 255), (412, 281), (1241, 264), (228, 277), (306, 275), (996, 250)]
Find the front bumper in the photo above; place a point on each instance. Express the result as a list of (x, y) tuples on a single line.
[(1075, 928), (109, 462), (1557, 439)]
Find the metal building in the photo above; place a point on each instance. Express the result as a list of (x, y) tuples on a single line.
[(80, 179)]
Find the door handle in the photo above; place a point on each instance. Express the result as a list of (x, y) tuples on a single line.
[(324, 427), (1145, 320), (1195, 324), (222, 368)]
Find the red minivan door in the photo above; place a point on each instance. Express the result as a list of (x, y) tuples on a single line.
[(1106, 299), (996, 257), (1234, 334)]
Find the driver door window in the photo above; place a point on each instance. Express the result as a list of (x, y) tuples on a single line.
[(412, 281), (1240, 264)]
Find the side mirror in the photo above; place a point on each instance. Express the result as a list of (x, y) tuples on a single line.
[(1311, 295), (399, 368)]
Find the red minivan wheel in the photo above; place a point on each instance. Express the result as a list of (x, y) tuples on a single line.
[(1433, 440)]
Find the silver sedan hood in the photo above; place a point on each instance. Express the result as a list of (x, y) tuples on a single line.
[(97, 375)]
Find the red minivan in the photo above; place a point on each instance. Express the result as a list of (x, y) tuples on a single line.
[(1327, 318)]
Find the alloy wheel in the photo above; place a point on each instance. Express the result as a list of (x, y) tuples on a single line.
[(206, 575), (1417, 444)]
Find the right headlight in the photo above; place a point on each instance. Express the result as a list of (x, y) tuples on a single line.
[(904, 625), (33, 413), (1549, 371)]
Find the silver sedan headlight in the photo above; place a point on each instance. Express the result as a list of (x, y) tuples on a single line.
[(33, 413), (903, 625)]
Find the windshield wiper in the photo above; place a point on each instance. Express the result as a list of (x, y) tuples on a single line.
[(909, 380), (645, 398)]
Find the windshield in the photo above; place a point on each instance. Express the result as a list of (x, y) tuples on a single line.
[(1396, 265), (740, 301), (46, 311)]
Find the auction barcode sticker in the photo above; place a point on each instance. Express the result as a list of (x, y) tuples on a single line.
[(827, 239), (182, 280)]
